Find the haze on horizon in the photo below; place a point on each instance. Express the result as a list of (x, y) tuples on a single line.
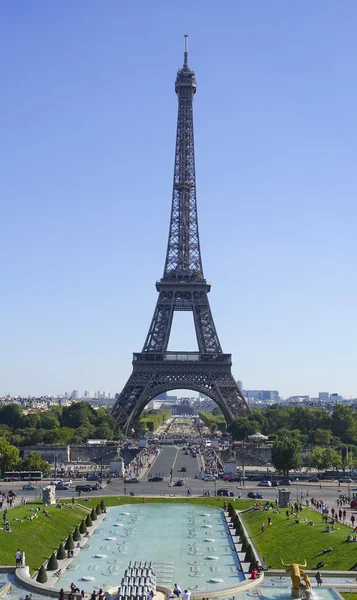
[(88, 134)]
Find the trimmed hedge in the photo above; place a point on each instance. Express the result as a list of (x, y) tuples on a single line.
[(52, 564), (42, 575), (102, 505), (61, 553), (98, 510), (89, 521), (76, 535), (69, 545), (83, 527), (93, 515)]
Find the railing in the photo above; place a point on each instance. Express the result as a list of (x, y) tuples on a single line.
[(182, 357)]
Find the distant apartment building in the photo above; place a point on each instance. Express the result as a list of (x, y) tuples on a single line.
[(268, 396), (324, 396), (75, 395), (240, 385)]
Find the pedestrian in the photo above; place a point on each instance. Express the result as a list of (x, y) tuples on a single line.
[(61, 594), (23, 559), (177, 590), (18, 558), (262, 527), (269, 522), (186, 595), (73, 500), (353, 520), (344, 514)]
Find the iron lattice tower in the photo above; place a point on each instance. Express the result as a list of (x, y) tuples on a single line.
[(182, 287)]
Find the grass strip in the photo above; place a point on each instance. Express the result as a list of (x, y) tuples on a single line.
[(295, 542)]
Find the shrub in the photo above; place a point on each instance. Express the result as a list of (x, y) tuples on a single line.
[(61, 553), (52, 564), (76, 535), (249, 554), (89, 522), (98, 510), (42, 575), (102, 505), (93, 515), (83, 527), (244, 543), (69, 545)]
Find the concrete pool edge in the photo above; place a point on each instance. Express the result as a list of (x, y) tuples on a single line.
[(22, 574)]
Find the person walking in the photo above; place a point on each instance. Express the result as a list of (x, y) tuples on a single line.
[(262, 527), (353, 521), (186, 595), (177, 590)]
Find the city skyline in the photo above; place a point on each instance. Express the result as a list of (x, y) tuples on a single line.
[(87, 162)]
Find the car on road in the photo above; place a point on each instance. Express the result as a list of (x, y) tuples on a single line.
[(96, 486), (227, 477), (179, 483), (62, 486), (132, 480), (345, 480), (28, 487), (285, 482), (264, 483), (255, 495), (209, 478), (156, 478), (313, 479), (183, 469), (55, 482), (82, 487), (225, 492)]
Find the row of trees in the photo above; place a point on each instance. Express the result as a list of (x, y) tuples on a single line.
[(315, 425), (59, 425)]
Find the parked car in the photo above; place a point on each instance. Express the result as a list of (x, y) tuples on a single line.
[(255, 495), (264, 483), (183, 469), (62, 486), (225, 492), (227, 477), (132, 480), (345, 480), (82, 487), (156, 478), (55, 482), (28, 487), (285, 482), (93, 477), (96, 486), (209, 478), (179, 483), (314, 479)]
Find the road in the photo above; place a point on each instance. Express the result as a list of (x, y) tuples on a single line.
[(175, 458), (172, 457)]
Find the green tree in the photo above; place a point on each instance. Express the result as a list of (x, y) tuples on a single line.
[(76, 535), (344, 423), (49, 421), (286, 453), (323, 458), (78, 414), (93, 515), (9, 456), (88, 521), (322, 437), (34, 462), (242, 427), (11, 414)]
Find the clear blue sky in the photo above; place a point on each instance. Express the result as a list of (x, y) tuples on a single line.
[(88, 119)]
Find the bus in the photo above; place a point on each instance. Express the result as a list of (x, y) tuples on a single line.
[(23, 476)]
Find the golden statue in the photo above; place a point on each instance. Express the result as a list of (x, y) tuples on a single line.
[(297, 574)]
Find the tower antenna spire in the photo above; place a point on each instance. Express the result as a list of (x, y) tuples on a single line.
[(185, 59)]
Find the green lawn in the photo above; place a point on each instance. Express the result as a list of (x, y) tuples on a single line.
[(295, 543), (349, 595), (40, 537)]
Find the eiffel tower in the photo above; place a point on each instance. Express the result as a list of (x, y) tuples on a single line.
[(182, 287)]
